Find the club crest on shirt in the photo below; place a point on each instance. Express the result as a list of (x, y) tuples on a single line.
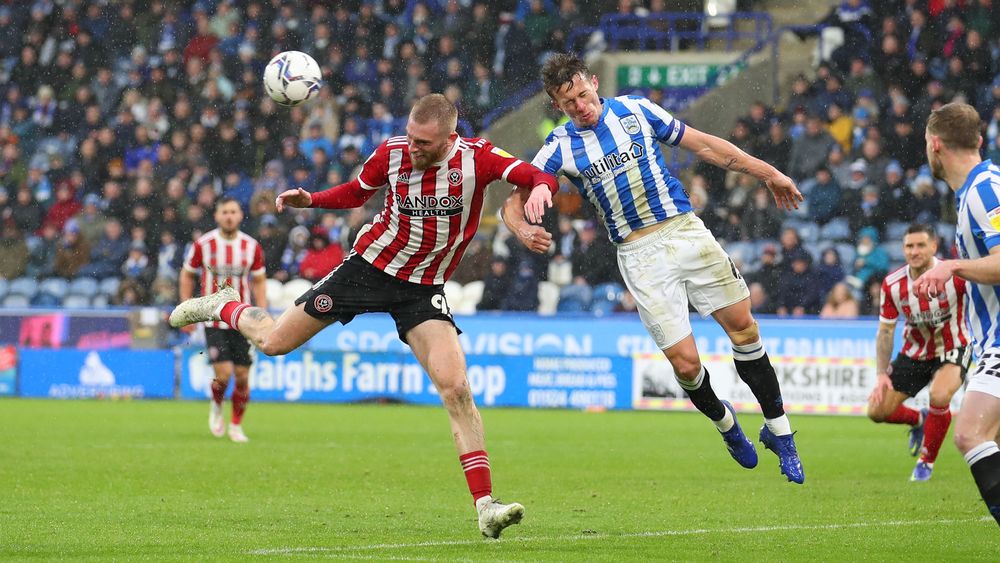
[(455, 176), (630, 123), (323, 303)]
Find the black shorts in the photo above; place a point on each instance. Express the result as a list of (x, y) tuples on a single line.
[(910, 376), (357, 287), (226, 345)]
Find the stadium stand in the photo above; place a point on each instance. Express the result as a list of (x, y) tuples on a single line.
[(111, 116)]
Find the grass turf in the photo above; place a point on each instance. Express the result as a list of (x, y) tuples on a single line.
[(145, 480)]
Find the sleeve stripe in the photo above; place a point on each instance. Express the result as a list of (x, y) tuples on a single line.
[(512, 166), (367, 187)]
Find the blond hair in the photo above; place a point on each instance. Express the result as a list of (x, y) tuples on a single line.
[(435, 107)]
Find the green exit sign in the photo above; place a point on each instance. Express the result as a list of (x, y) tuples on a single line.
[(676, 75)]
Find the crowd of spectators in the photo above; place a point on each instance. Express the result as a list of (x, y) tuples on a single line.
[(121, 123)]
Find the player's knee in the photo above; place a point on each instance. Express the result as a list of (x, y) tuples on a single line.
[(940, 398), (455, 394), (686, 367), (745, 332), (274, 347), (876, 413), (966, 440)]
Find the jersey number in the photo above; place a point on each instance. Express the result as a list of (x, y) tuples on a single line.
[(439, 302)]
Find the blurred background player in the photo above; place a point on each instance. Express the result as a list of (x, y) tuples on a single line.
[(436, 184), (952, 142), (226, 256), (935, 350), (610, 150)]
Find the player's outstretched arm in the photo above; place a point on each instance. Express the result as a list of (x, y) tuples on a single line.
[(985, 270), (345, 196), (534, 237), (293, 198), (724, 154)]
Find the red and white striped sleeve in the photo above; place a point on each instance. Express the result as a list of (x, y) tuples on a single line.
[(504, 166), (257, 267), (194, 260), (375, 171), (887, 312)]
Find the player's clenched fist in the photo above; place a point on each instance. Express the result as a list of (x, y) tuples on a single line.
[(293, 198)]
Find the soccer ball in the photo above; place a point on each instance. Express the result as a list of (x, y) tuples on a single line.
[(292, 77)]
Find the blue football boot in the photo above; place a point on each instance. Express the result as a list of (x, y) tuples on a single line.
[(916, 434), (739, 446), (788, 456), (922, 472)]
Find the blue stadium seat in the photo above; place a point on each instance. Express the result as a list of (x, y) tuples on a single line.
[(815, 249), (16, 301), (76, 302), (947, 232), (896, 230), (808, 231), (847, 254), (86, 287), (836, 229), (4, 286), (56, 287), (894, 250), (46, 300), (109, 286), (27, 287), (574, 299), (100, 301), (605, 298)]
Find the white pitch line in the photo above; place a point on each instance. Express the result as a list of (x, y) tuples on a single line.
[(577, 537)]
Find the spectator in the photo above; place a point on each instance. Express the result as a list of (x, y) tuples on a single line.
[(809, 151), (64, 208), (829, 271), (927, 200), (137, 266), (769, 274), (321, 257), (523, 292), (42, 258), (871, 258), (760, 300), (777, 146), (496, 285), (72, 254), (475, 264), (824, 195), (840, 304), (108, 255), (760, 218), (13, 253), (798, 293), (593, 261)]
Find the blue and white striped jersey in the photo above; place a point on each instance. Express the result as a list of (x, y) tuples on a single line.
[(978, 202), (617, 164)]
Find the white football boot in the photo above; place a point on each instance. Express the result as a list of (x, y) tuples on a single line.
[(494, 516), (201, 309), (236, 434), (216, 422)]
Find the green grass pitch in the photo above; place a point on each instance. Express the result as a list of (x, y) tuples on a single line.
[(145, 480)]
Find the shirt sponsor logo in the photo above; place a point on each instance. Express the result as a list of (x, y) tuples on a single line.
[(614, 164), (430, 206)]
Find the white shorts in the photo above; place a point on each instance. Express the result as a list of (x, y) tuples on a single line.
[(986, 379), (680, 263)]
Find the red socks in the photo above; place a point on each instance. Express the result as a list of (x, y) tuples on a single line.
[(240, 399), (476, 466), (935, 429), (904, 415), (231, 312), (218, 391)]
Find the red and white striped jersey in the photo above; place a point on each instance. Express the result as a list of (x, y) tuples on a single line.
[(218, 260), (933, 326), (430, 215)]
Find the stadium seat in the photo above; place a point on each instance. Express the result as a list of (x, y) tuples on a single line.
[(453, 293), (847, 253), (109, 286), (100, 301), (836, 229), (4, 286), (894, 250), (472, 294), (605, 298), (742, 252), (16, 300), (56, 287), (26, 287), (574, 299), (896, 230), (548, 298), (947, 232), (87, 287), (560, 273), (76, 302), (808, 231), (46, 300), (274, 291), (293, 289)]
